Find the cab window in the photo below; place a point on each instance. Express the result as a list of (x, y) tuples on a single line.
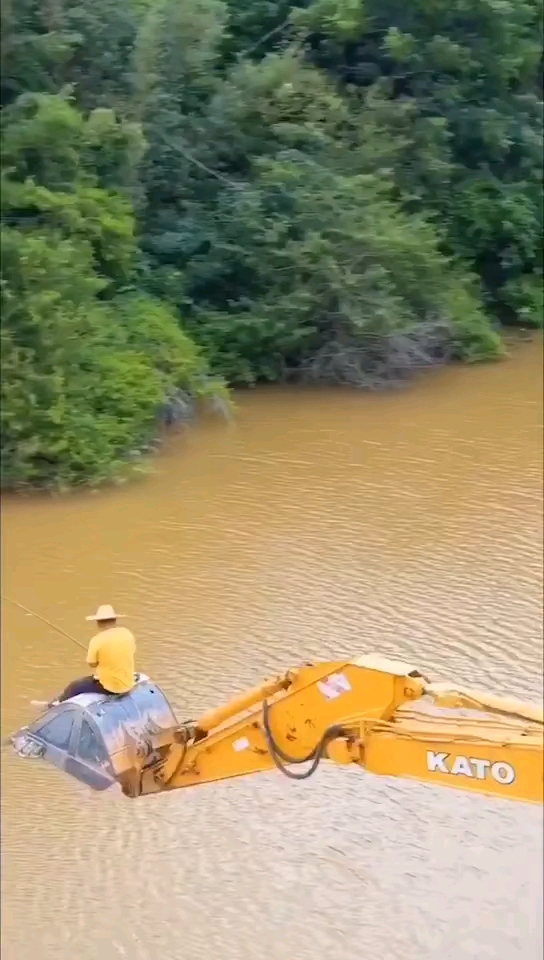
[(57, 732), (90, 747)]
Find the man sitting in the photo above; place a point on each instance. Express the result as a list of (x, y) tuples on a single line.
[(111, 654)]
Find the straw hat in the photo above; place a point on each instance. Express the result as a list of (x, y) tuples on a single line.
[(105, 612)]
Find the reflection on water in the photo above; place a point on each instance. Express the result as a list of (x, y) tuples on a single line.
[(322, 524)]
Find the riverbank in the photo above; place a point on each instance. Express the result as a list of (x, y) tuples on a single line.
[(183, 412)]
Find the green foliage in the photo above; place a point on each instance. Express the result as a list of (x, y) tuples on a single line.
[(82, 380), (87, 44), (85, 364), (330, 260), (301, 248), (342, 19), (326, 189), (49, 180), (524, 295), (462, 82)]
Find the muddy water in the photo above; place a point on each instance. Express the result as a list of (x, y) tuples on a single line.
[(322, 524)]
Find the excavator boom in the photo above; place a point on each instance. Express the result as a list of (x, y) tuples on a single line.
[(379, 714), (482, 756)]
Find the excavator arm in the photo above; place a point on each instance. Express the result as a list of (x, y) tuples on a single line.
[(379, 714)]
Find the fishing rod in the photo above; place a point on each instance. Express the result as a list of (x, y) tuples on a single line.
[(38, 616)]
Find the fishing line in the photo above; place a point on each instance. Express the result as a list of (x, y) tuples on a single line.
[(38, 616)]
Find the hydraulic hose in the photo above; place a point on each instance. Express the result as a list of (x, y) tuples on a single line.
[(281, 758)]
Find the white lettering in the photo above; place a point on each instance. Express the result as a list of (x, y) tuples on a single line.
[(481, 767), (436, 762), (503, 773), (461, 767)]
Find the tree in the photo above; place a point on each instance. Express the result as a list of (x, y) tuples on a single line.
[(87, 45), (293, 245), (86, 364), (460, 82)]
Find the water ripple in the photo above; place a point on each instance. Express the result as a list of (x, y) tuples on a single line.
[(324, 525)]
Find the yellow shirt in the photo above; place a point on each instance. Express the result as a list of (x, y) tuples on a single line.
[(112, 653)]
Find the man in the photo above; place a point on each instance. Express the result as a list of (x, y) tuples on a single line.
[(111, 656)]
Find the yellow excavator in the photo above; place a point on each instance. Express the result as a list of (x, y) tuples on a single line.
[(379, 714)]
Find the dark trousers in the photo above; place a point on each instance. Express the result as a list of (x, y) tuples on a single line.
[(82, 685)]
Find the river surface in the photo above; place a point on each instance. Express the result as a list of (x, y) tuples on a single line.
[(321, 524)]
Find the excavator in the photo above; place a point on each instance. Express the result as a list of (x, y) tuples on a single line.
[(375, 713)]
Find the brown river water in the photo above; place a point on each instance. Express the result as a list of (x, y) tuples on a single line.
[(320, 524)]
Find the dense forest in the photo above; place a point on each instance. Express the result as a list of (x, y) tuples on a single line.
[(208, 193)]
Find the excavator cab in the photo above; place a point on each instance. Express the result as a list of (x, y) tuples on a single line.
[(91, 737)]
